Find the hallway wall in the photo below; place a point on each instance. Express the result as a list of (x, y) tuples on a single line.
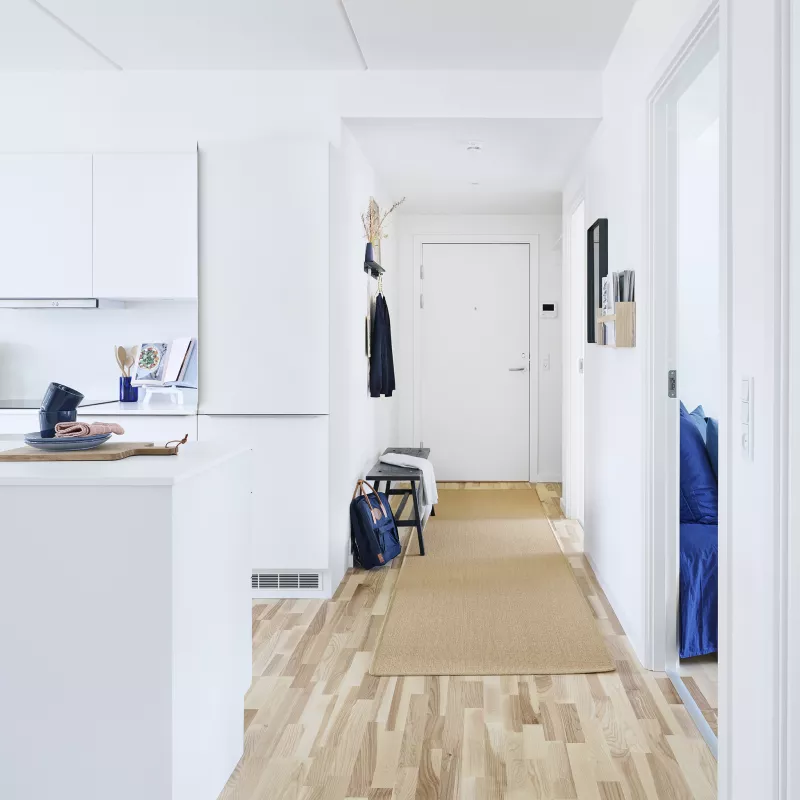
[(361, 427), (548, 228), (613, 174)]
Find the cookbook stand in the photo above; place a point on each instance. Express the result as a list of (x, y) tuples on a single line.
[(175, 394)]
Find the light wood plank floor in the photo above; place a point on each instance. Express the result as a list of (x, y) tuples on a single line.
[(319, 727), (700, 678)]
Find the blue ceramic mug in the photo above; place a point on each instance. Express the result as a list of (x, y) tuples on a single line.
[(60, 404)]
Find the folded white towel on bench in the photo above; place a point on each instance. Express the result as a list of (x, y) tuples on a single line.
[(430, 497)]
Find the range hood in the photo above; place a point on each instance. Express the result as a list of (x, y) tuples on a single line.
[(58, 302)]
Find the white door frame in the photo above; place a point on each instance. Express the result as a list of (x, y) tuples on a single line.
[(661, 456), (532, 240), (570, 376)]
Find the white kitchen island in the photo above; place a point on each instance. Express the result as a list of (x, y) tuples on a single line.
[(125, 625)]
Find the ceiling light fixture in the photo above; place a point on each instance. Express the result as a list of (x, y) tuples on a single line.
[(475, 183), (474, 147)]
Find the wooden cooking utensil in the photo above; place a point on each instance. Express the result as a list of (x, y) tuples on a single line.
[(122, 357), (130, 360)]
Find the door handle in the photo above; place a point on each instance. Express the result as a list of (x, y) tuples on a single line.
[(516, 369)]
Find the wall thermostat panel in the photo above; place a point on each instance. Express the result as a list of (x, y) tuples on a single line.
[(549, 310)]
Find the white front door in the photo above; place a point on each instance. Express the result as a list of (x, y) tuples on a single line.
[(474, 361)]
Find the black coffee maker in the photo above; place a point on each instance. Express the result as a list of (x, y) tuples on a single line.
[(60, 404)]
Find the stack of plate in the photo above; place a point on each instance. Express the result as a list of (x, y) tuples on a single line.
[(66, 443)]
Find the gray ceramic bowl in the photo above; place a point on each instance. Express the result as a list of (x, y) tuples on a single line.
[(67, 444)]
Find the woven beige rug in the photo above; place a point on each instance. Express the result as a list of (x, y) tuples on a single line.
[(493, 596)]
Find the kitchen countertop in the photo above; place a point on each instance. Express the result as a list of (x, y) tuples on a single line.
[(160, 406), (192, 458)]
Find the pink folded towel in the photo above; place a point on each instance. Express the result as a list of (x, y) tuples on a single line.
[(65, 430)]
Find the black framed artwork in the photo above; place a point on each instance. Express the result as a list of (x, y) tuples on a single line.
[(596, 270)]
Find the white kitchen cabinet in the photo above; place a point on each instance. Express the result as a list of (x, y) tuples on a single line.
[(45, 226), (147, 428), (264, 284), (145, 225), (290, 486)]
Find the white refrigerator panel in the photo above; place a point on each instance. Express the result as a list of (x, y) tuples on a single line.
[(264, 277), (290, 486)]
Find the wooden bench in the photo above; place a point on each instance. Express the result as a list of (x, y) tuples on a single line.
[(394, 474)]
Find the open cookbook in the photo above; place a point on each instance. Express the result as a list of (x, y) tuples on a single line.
[(167, 364)]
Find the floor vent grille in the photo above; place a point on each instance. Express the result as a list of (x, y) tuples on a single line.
[(304, 581)]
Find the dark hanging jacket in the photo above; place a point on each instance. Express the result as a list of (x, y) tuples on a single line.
[(381, 362)]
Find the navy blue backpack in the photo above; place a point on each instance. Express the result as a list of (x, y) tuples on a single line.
[(374, 540)]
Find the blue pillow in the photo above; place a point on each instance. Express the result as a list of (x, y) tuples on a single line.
[(699, 418), (712, 445), (698, 485)]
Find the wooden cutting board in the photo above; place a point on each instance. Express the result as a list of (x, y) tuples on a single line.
[(105, 452)]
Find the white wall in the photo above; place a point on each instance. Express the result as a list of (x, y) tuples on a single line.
[(361, 427), (613, 176), (548, 228), (699, 340), (75, 346)]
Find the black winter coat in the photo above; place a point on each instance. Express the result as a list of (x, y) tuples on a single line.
[(381, 362)]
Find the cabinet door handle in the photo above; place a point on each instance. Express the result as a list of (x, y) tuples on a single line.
[(516, 369)]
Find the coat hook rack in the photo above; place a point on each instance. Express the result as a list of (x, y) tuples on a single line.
[(373, 269)]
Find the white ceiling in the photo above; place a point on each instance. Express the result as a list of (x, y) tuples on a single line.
[(215, 34), (487, 34), (32, 40), (521, 167), (309, 34)]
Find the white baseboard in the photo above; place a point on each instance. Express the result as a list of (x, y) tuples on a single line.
[(563, 506), (547, 479), (623, 618)]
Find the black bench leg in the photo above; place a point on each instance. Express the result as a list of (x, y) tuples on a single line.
[(418, 518)]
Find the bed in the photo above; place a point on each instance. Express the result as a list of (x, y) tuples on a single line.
[(698, 534), (698, 590)]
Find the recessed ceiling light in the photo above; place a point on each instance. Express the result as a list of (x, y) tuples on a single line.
[(474, 147), (475, 183)]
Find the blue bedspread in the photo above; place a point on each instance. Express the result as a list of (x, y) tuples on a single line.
[(698, 590)]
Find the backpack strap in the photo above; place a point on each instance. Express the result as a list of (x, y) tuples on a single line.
[(360, 487)]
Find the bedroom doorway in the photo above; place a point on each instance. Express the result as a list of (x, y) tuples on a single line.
[(699, 367), (687, 391)]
